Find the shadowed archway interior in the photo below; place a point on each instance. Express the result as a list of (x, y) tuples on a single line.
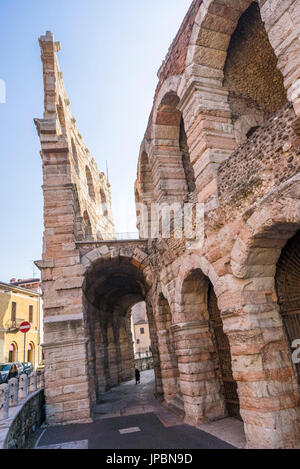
[(112, 288), (288, 290)]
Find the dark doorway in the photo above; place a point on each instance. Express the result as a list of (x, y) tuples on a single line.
[(288, 290), (224, 356)]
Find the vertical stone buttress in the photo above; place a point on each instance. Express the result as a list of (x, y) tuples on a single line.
[(74, 192)]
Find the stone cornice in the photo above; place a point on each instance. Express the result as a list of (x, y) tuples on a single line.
[(190, 326), (65, 343)]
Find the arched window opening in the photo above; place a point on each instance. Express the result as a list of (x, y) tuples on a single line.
[(186, 160), (13, 353), (146, 175), (170, 127), (199, 306), (90, 184), (87, 227), (255, 84), (170, 372), (30, 353), (75, 155), (288, 291), (61, 114), (104, 207), (252, 131), (222, 346)]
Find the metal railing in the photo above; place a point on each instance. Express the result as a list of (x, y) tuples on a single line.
[(122, 236), (107, 237), (141, 355), (13, 324)]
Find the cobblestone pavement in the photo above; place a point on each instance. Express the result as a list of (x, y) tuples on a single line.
[(129, 417)]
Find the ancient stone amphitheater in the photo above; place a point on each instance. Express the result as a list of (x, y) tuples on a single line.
[(224, 315)]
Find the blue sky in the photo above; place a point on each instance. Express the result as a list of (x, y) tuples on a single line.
[(111, 51)]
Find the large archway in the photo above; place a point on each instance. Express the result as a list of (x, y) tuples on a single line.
[(222, 346), (288, 291), (169, 361), (171, 155), (112, 287), (264, 259), (206, 381)]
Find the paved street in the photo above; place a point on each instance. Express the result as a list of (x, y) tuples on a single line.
[(129, 417)]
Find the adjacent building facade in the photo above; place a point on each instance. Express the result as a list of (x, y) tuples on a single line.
[(19, 304), (140, 329), (224, 132)]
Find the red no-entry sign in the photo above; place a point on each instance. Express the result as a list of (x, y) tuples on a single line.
[(24, 327)]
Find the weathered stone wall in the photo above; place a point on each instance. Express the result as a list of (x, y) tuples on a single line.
[(77, 207), (250, 71), (243, 144), (248, 183), (267, 159), (27, 421)]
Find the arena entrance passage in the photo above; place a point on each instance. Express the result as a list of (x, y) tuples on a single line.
[(112, 287)]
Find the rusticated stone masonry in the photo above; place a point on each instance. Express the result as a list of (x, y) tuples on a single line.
[(223, 315)]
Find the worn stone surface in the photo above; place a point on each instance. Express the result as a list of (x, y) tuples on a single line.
[(217, 136)]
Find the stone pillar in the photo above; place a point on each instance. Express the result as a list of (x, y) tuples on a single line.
[(13, 392), (32, 382), (209, 129), (168, 357), (262, 367), (169, 369), (4, 401), (66, 376), (155, 351), (23, 386), (200, 388), (126, 351), (282, 23)]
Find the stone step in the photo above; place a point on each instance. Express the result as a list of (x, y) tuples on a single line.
[(176, 406)]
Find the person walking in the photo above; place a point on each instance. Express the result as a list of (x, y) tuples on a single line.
[(137, 377)]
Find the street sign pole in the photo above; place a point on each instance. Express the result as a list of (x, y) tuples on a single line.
[(24, 328), (24, 347)]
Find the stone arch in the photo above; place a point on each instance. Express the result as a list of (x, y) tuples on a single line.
[(75, 154), (103, 202), (146, 181), (266, 233), (170, 85), (90, 183), (261, 351), (172, 171), (215, 24), (134, 256), (115, 280), (144, 195), (191, 262), (288, 291), (87, 227), (250, 67), (246, 125), (206, 103), (61, 114), (168, 358), (199, 382)]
